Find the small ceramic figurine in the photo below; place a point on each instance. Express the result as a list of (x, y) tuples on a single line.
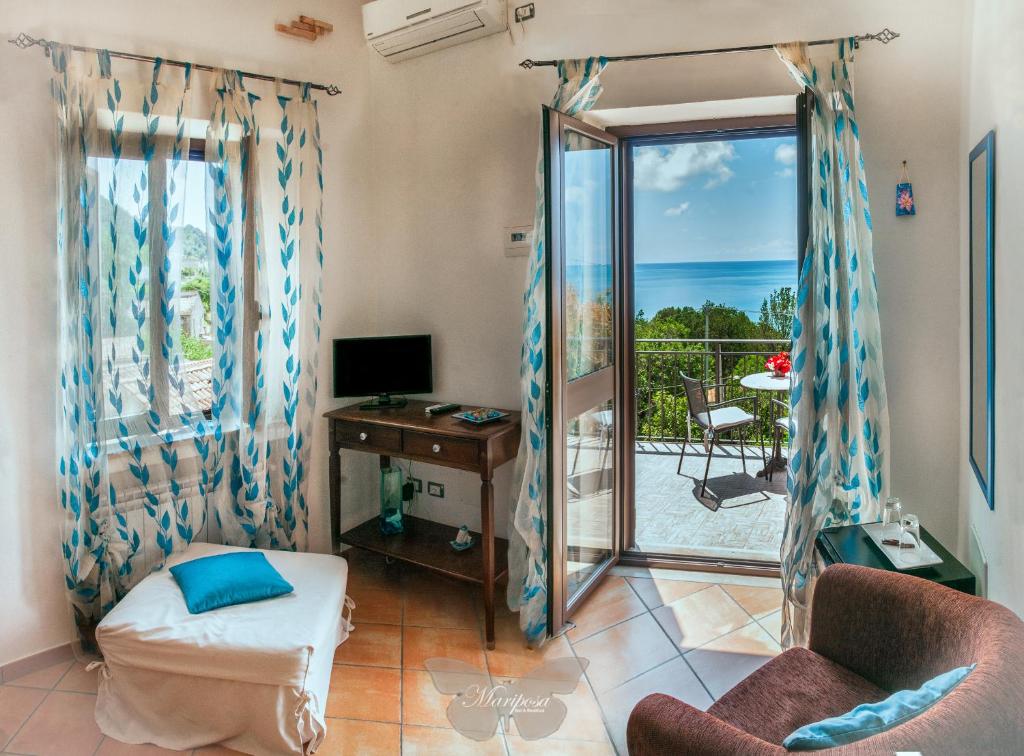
[(463, 540)]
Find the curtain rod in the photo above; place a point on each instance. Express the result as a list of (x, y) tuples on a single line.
[(885, 37), (24, 41)]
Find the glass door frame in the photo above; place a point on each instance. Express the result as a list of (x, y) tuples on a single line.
[(629, 136), (589, 390)]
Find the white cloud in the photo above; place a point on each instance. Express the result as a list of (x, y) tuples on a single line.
[(666, 169), (784, 173), (678, 209), (785, 154)]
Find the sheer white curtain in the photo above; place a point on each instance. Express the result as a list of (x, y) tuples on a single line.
[(578, 90), (839, 462), (189, 315)]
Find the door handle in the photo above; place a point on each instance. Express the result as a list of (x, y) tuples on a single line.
[(363, 436), (436, 448)]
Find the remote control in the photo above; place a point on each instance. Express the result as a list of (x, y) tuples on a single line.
[(441, 409)]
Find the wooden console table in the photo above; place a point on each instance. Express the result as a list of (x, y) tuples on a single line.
[(408, 432)]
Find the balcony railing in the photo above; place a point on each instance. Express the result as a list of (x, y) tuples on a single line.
[(661, 405)]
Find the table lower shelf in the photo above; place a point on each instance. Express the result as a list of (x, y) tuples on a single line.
[(426, 543)]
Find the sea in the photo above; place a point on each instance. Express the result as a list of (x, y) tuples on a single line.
[(743, 284)]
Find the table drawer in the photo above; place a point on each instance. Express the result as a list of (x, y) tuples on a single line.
[(372, 437), (445, 449)]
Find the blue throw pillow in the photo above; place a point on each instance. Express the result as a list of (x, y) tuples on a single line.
[(870, 719), (227, 579)]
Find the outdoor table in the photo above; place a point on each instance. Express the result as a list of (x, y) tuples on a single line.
[(766, 381)]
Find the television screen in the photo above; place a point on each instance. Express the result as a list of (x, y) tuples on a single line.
[(383, 365)]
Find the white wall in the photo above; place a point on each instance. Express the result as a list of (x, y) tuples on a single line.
[(995, 100), (426, 162), (454, 137), (33, 615)]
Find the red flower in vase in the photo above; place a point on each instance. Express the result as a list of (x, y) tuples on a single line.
[(779, 364)]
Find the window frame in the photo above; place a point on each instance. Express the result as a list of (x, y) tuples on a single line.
[(251, 315), (753, 127)]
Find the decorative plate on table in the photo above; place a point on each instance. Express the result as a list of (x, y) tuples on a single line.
[(481, 416)]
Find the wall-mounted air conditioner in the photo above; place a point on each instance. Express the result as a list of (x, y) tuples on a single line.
[(401, 29)]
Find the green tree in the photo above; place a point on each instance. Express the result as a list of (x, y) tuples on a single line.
[(777, 314), (660, 397), (198, 281), (194, 349)]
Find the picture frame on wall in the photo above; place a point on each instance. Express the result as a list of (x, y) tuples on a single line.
[(981, 265)]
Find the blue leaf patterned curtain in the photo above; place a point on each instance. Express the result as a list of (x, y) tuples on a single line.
[(189, 288), (578, 90), (839, 463)]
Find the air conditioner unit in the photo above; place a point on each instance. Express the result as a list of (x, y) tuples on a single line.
[(401, 29)]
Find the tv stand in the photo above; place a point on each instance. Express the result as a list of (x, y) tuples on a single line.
[(384, 401), (410, 433)]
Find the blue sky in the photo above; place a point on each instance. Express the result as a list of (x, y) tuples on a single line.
[(715, 201)]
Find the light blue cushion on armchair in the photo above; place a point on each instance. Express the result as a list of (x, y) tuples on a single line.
[(869, 719), (227, 579)]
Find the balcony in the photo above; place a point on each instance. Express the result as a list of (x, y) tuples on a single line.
[(743, 515)]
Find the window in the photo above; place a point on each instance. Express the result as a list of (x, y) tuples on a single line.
[(142, 275)]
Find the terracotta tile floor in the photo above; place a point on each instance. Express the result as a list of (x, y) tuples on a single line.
[(692, 635)]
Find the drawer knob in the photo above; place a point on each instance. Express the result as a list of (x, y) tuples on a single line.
[(436, 448), (363, 436)]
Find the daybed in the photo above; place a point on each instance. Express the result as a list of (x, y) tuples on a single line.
[(253, 677)]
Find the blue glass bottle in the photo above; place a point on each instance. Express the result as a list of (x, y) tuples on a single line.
[(391, 500)]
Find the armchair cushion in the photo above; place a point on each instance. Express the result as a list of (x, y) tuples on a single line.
[(794, 689), (872, 718)]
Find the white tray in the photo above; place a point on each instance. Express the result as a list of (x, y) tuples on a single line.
[(901, 559)]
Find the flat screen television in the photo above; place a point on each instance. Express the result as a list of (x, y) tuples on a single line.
[(383, 366)]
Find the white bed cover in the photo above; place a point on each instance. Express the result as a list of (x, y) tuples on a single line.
[(253, 677)]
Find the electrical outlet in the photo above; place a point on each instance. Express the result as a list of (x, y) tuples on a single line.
[(435, 489), (525, 12), (417, 484)]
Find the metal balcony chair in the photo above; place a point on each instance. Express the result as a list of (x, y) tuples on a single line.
[(714, 419)]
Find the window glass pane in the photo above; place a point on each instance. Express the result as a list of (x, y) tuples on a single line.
[(589, 516), (588, 255), (132, 370), (191, 251), (124, 284)]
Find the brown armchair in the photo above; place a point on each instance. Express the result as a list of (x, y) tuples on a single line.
[(872, 633)]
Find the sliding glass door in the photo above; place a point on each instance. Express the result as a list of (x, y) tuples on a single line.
[(583, 338)]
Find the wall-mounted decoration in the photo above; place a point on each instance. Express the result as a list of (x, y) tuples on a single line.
[(981, 241), (305, 27), (905, 194)]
